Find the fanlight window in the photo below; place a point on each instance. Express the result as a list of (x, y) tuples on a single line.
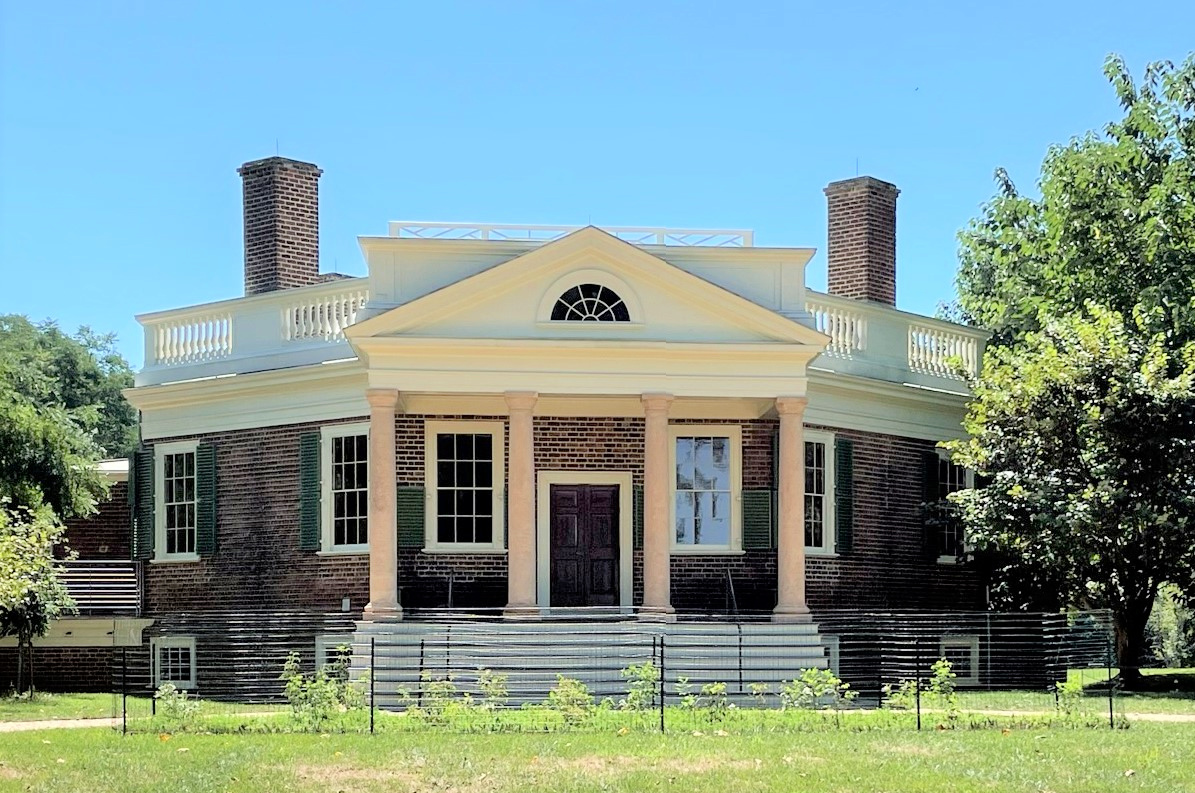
[(590, 303)]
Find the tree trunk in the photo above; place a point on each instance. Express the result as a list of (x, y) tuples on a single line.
[(1129, 622), (20, 664)]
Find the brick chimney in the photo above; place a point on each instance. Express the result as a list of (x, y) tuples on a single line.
[(281, 199), (861, 239)]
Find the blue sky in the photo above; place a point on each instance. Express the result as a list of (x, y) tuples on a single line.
[(122, 125)]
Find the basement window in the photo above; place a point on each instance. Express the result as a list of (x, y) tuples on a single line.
[(173, 660), (962, 652)]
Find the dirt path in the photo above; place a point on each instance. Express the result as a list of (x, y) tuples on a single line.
[(56, 724)]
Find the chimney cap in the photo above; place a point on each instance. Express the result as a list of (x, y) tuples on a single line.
[(279, 163), (859, 183)]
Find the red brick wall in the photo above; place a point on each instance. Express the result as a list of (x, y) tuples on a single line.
[(259, 566), (62, 668), (104, 535)]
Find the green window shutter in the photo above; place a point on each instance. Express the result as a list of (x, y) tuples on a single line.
[(844, 495), (929, 496), (309, 491), (758, 519), (142, 495), (637, 517), (205, 492), (410, 517)]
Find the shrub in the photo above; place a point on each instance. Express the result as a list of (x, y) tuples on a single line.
[(175, 707), (571, 698), (644, 682), (759, 693), (684, 692), (941, 689), (494, 691), (902, 697), (316, 698), (816, 688), (1068, 693), (438, 694), (713, 697)]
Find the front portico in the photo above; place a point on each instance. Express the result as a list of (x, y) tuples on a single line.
[(678, 352)]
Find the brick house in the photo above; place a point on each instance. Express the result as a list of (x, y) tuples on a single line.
[(526, 421)]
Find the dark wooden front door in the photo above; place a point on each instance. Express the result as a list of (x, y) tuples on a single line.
[(584, 545)]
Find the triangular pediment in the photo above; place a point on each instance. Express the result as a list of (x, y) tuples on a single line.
[(515, 299)]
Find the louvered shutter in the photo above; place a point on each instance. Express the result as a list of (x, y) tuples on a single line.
[(205, 492), (637, 516), (141, 493), (410, 509), (309, 491), (758, 519), (844, 495), (931, 541)]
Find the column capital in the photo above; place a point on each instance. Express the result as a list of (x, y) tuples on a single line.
[(382, 397), (521, 400), (791, 405), (657, 402)]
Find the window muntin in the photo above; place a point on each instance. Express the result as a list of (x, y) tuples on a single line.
[(951, 479), (174, 661), (465, 474), (175, 501), (702, 490), (344, 484), (350, 490), (819, 492), (590, 303)]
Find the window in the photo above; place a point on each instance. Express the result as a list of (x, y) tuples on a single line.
[(344, 450), (590, 303), (707, 486), (819, 492), (833, 653), (332, 648), (175, 501), (173, 660), (465, 472), (963, 654), (951, 479)]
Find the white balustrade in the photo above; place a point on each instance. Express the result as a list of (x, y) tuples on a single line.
[(322, 316), (940, 352), (192, 339), (846, 327), (710, 238)]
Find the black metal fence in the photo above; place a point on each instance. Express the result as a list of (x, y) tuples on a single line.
[(857, 670)]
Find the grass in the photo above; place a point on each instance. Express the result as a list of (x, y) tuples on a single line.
[(44, 707), (1147, 757)]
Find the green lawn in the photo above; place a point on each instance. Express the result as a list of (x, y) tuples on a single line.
[(1144, 758), (59, 706)]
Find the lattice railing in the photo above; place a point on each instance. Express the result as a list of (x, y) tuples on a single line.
[(322, 316), (716, 238), (192, 339), (846, 328), (941, 352)]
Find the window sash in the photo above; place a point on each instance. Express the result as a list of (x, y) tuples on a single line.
[(176, 500), (703, 490), (350, 490), (816, 491), (464, 478)]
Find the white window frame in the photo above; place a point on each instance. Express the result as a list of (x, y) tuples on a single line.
[(833, 647), (159, 643), (497, 431), (828, 525), (965, 641), (160, 452), (969, 475), (734, 432), (327, 524), (326, 644)]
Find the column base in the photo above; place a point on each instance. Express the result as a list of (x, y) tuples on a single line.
[(514, 611), (798, 612), (657, 614), (382, 612)]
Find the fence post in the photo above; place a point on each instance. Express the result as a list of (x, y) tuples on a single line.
[(373, 676), (124, 693), (1111, 710), (661, 683), (917, 677)]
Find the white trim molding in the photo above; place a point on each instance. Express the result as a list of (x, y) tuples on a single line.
[(543, 527), (497, 431), (733, 432), (160, 451), (968, 642), (159, 643), (327, 519)]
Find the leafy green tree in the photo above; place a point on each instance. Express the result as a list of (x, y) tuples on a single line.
[(1086, 430), (61, 409), (31, 594), (1082, 417)]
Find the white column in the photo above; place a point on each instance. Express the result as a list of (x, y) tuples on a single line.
[(520, 505), (383, 497), (790, 541), (657, 492)]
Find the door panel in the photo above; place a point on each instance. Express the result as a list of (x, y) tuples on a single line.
[(584, 545)]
